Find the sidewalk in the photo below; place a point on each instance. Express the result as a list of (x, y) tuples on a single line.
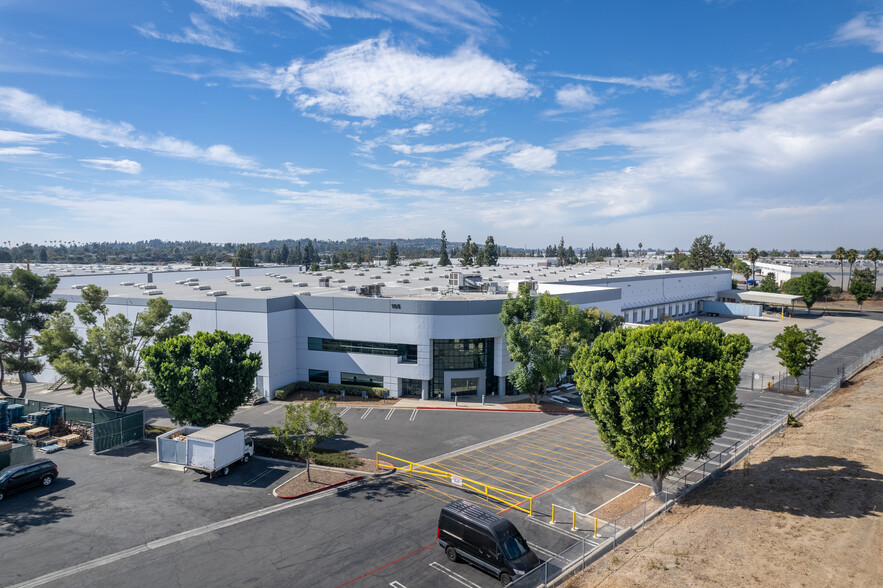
[(497, 403)]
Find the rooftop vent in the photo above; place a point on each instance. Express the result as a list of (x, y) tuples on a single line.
[(217, 293), (261, 288), (302, 284), (304, 293), (203, 287), (242, 284), (284, 280), (152, 292), (127, 283)]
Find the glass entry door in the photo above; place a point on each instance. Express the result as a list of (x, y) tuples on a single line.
[(464, 386)]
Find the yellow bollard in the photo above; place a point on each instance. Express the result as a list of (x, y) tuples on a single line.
[(573, 527), (553, 513), (596, 527)]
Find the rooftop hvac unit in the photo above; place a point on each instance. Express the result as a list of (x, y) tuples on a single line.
[(203, 287), (403, 281), (325, 281), (127, 283), (217, 293), (284, 280), (304, 293), (302, 284), (431, 288), (78, 286), (148, 287), (242, 284), (261, 288), (152, 292), (370, 290)]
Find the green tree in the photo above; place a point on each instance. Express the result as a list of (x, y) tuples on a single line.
[(851, 257), (661, 393), (202, 379), (443, 259), (560, 252), (768, 284), (196, 260), (812, 286), (467, 254), (701, 252), (617, 251), (244, 257), (797, 350), (491, 251), (25, 309), (840, 255), (284, 253), (542, 333), (793, 253), (392, 254), (44, 255), (861, 286), (752, 259), (306, 425), (740, 267), (110, 355)]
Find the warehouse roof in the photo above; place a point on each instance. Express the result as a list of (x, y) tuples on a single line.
[(761, 297)]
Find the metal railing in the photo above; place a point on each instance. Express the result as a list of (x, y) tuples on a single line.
[(576, 557), (501, 495)]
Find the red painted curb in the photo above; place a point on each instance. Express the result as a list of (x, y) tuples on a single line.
[(322, 489)]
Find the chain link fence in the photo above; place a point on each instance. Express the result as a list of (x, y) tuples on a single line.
[(110, 428), (575, 558)]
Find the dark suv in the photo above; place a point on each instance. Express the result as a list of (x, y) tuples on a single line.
[(37, 473)]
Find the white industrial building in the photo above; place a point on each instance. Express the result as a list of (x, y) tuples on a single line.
[(418, 331)]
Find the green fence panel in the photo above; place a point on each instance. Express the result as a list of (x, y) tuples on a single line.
[(113, 433)]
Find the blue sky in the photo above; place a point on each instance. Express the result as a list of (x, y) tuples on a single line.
[(760, 122)]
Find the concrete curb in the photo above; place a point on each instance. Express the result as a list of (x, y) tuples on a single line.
[(317, 490), (314, 466), (565, 411)]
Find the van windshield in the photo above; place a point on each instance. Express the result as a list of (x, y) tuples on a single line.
[(514, 546)]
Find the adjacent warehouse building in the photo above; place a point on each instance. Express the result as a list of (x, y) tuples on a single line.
[(418, 331)]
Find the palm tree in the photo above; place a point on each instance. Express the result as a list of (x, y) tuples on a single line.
[(840, 255), (873, 254), (752, 257), (851, 257)]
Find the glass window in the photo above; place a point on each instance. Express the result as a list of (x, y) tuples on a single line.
[(361, 379), (406, 353), (411, 387), (514, 546), (463, 354), (464, 386), (319, 376)]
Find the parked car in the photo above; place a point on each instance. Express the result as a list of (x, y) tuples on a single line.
[(20, 477), (484, 539)]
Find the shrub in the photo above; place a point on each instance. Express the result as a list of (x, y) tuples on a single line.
[(335, 459), (348, 389)]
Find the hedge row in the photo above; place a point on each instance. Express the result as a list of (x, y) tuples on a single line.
[(347, 389)]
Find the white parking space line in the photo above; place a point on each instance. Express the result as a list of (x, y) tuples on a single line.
[(453, 575), (367, 412), (274, 409), (560, 530), (545, 552), (413, 415), (395, 584), (629, 482), (258, 477), (345, 410), (389, 414)]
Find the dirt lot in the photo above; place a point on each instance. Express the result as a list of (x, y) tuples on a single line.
[(803, 510)]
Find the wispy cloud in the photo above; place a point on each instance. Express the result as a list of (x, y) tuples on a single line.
[(866, 29), (435, 16), (376, 78), (33, 111), (457, 176), (126, 166), (27, 138), (22, 150), (532, 158), (576, 97), (807, 149), (668, 83), (201, 33)]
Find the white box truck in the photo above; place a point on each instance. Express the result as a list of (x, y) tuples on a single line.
[(214, 449)]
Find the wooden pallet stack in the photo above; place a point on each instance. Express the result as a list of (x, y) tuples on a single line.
[(71, 440)]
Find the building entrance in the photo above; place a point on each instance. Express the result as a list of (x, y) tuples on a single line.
[(464, 386)]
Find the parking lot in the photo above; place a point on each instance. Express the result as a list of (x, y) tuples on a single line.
[(117, 518)]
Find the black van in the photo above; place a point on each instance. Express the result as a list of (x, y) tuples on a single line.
[(486, 540)]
